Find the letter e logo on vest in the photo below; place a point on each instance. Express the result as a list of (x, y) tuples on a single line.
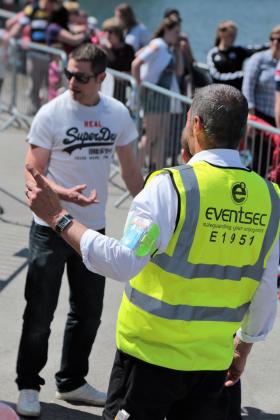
[(239, 192)]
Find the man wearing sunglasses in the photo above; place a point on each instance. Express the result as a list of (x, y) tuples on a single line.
[(259, 83), (71, 141)]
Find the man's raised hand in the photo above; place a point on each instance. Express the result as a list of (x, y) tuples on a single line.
[(75, 195), (41, 198)]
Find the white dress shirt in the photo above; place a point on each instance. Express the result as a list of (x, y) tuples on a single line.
[(108, 257)]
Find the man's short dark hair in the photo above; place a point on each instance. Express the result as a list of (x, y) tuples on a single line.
[(223, 111), (93, 54)]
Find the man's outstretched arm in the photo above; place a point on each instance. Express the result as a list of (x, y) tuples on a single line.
[(101, 254)]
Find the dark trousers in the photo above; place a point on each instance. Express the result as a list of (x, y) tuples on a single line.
[(231, 398), (149, 392), (48, 256)]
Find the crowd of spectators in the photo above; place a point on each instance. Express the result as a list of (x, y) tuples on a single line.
[(131, 47), (163, 58)]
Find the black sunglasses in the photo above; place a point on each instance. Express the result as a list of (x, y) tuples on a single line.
[(275, 39), (79, 77)]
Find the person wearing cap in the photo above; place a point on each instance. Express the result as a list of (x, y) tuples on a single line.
[(199, 256)]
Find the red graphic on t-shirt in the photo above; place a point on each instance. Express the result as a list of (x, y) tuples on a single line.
[(92, 124)]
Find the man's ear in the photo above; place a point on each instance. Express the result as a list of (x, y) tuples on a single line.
[(101, 76), (197, 124), (185, 155)]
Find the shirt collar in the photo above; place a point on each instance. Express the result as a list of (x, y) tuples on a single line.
[(219, 157)]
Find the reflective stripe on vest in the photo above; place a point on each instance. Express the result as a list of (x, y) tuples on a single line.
[(180, 313), (186, 237), (184, 312)]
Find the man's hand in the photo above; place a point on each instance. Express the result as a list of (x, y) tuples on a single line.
[(42, 199), (241, 351), (75, 195)]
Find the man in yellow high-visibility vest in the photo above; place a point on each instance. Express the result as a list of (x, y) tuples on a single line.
[(200, 248)]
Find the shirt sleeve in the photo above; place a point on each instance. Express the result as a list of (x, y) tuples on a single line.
[(262, 311), (106, 256), (40, 133), (148, 52), (128, 131), (251, 75)]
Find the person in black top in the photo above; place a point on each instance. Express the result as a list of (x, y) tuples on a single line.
[(120, 55), (225, 60)]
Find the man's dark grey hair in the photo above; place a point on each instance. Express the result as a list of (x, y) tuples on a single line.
[(94, 54), (223, 111)]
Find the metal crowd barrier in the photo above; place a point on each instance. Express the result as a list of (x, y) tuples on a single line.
[(33, 73), (163, 116), (260, 150), (123, 87), (159, 114)]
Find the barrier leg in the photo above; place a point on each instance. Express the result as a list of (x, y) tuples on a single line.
[(122, 199)]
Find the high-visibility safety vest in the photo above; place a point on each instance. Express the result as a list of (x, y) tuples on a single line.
[(183, 309)]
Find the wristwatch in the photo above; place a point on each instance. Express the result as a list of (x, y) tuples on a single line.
[(63, 222)]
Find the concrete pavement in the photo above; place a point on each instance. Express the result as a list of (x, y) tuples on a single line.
[(261, 382)]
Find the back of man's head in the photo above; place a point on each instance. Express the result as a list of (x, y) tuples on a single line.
[(93, 54), (223, 112)]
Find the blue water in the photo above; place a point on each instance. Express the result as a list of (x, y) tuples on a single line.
[(255, 18)]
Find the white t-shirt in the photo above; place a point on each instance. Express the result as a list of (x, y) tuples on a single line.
[(138, 36), (82, 141)]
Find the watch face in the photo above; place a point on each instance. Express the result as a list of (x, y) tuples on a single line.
[(63, 222)]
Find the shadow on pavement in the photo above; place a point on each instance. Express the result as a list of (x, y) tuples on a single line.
[(251, 413), (52, 411), (23, 253)]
